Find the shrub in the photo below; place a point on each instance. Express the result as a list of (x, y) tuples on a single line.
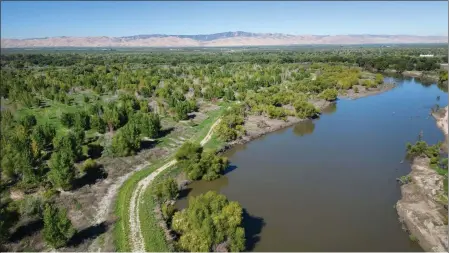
[(305, 110), (329, 94), (67, 119), (209, 220), (89, 164), (168, 210), (32, 206), (58, 229), (166, 190)]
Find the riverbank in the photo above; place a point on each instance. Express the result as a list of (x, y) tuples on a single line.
[(257, 126), (362, 91), (421, 208), (428, 76)]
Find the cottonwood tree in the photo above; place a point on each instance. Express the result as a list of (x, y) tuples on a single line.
[(209, 220)]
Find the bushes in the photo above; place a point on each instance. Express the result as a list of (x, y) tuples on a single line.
[(31, 206), (198, 164), (67, 119), (305, 110), (421, 148), (379, 79), (70, 144), (166, 190), (89, 164), (98, 123), (209, 220), (329, 94), (58, 228), (28, 121), (126, 141), (82, 120), (231, 125), (62, 170), (149, 124)]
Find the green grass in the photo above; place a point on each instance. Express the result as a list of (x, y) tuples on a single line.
[(121, 228), (152, 233), (153, 236)]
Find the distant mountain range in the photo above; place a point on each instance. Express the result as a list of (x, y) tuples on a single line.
[(224, 39)]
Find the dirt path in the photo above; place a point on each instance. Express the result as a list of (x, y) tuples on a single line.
[(106, 202), (137, 242), (209, 134)]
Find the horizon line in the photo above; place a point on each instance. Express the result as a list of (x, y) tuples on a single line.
[(204, 34)]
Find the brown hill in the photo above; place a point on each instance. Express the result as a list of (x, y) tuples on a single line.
[(218, 40)]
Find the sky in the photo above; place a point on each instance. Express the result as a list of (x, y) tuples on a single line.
[(38, 19)]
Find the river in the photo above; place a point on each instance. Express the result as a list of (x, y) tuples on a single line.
[(330, 184)]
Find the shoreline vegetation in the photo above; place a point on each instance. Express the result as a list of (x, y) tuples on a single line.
[(255, 132), (80, 131), (423, 206)]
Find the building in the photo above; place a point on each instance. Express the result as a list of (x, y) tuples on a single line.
[(426, 55)]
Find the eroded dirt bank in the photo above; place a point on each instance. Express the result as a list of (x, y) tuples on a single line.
[(421, 208)]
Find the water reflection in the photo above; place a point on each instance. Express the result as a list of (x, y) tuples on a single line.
[(332, 108), (442, 86), (304, 128), (199, 187)]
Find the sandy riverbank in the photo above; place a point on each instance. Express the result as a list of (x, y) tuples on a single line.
[(422, 207), (430, 76)]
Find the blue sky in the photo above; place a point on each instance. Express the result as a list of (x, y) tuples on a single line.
[(47, 19)]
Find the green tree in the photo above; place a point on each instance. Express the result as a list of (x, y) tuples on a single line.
[(82, 120), (98, 123), (58, 229), (112, 117), (70, 143), (198, 164), (149, 124), (67, 119), (379, 78), (305, 110), (126, 141), (212, 166), (209, 220), (28, 121), (166, 190), (62, 170), (329, 94)]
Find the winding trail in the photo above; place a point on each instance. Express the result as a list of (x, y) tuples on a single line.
[(136, 238)]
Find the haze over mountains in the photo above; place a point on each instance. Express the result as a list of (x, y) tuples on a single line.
[(224, 39)]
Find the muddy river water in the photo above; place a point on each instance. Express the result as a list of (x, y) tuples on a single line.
[(330, 184)]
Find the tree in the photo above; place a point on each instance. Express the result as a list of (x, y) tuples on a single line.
[(112, 117), (198, 164), (68, 119), (329, 94), (166, 190), (62, 170), (189, 151), (212, 166), (98, 123), (82, 120), (209, 220), (58, 229), (28, 121), (149, 124), (379, 78), (126, 141), (305, 110), (70, 143)]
